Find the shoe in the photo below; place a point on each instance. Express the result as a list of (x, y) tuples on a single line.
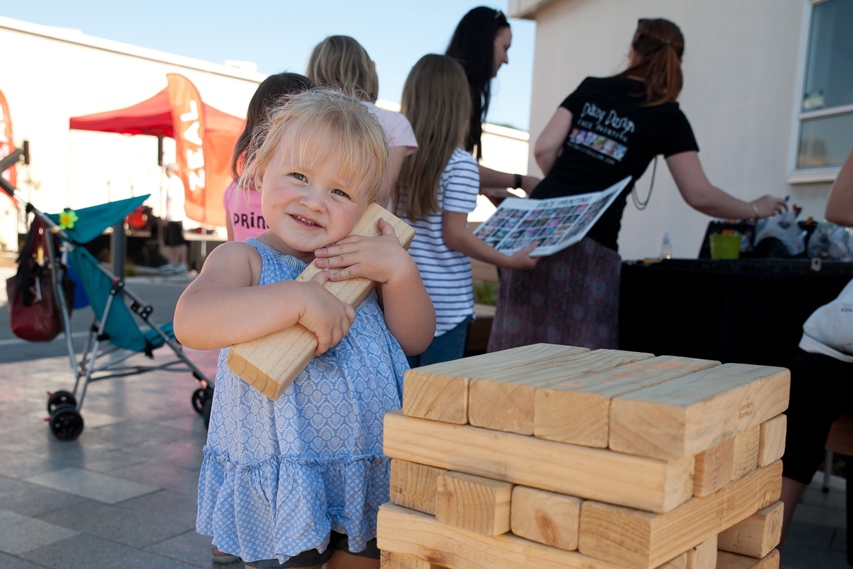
[(179, 269), (223, 558), (167, 268)]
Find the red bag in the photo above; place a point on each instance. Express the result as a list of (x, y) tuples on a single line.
[(34, 311)]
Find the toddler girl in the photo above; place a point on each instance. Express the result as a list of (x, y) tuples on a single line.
[(297, 482)]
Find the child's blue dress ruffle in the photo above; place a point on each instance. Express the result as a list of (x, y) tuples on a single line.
[(278, 476)]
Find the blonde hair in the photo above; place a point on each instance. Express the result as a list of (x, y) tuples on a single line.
[(320, 124), (437, 102), (342, 62)]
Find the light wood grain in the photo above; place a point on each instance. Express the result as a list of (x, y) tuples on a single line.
[(688, 415), (599, 474), (546, 517), (644, 540), (726, 461), (388, 560), (414, 485), (504, 399), (726, 560), (585, 399), (271, 363), (440, 391), (408, 532), (473, 503), (755, 536), (704, 555), (771, 443)]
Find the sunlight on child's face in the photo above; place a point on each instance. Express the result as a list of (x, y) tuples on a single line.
[(307, 207)]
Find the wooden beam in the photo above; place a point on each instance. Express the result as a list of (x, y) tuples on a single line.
[(440, 391), (726, 461), (726, 560), (271, 363), (414, 485), (546, 517), (586, 399), (408, 532), (504, 400), (643, 540), (598, 474), (473, 503), (771, 444), (688, 415), (388, 560), (755, 536), (704, 555)]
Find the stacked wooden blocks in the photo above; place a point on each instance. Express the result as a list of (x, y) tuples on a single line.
[(556, 456)]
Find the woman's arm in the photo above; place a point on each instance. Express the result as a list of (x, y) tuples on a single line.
[(702, 196), (495, 179), (222, 307), (457, 236), (839, 204), (552, 138)]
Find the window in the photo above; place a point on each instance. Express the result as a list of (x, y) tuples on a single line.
[(825, 129)]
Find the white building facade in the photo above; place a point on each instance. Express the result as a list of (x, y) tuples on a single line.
[(768, 89)]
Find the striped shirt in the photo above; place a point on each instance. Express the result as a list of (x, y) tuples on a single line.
[(447, 273)]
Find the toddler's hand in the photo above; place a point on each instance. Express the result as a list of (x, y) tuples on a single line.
[(522, 259), (374, 258), (323, 314)]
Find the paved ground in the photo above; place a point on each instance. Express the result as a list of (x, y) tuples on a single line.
[(123, 495)]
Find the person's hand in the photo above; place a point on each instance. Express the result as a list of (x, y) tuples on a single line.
[(766, 206), (496, 195), (521, 259), (323, 314), (374, 258)]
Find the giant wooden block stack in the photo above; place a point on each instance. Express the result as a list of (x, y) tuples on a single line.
[(555, 456)]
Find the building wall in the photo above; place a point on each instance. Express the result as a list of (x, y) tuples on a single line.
[(741, 67)]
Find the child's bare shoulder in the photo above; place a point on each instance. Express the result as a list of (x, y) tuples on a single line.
[(232, 259)]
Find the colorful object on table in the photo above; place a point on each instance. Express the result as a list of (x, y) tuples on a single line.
[(725, 246), (67, 219)]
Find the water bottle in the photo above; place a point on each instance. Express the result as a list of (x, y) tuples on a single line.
[(665, 251)]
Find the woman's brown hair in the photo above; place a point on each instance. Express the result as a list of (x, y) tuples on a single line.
[(659, 46)]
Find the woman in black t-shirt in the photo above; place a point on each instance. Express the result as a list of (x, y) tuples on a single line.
[(609, 128)]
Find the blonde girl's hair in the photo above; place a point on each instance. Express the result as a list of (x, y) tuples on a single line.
[(342, 62), (322, 124), (659, 45), (437, 102)]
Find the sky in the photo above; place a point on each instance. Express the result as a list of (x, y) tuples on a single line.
[(278, 35)]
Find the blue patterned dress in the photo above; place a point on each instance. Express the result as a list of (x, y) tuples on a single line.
[(278, 476)]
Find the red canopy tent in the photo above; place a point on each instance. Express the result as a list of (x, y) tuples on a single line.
[(154, 117)]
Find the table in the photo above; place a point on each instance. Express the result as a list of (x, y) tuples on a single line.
[(733, 311)]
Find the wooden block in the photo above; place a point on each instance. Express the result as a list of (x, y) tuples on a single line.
[(597, 474), (546, 517), (726, 560), (643, 540), (755, 536), (413, 485), (473, 503), (688, 415), (504, 400), (586, 399), (400, 530), (388, 560), (440, 391), (771, 443), (726, 461), (704, 555), (679, 562), (271, 363)]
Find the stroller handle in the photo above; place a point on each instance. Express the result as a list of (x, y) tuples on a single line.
[(10, 160)]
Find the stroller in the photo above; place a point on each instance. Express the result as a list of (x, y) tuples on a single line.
[(122, 327)]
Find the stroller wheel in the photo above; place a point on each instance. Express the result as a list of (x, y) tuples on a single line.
[(200, 397), (58, 398), (66, 423)]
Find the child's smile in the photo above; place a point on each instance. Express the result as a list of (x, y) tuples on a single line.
[(307, 207)]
